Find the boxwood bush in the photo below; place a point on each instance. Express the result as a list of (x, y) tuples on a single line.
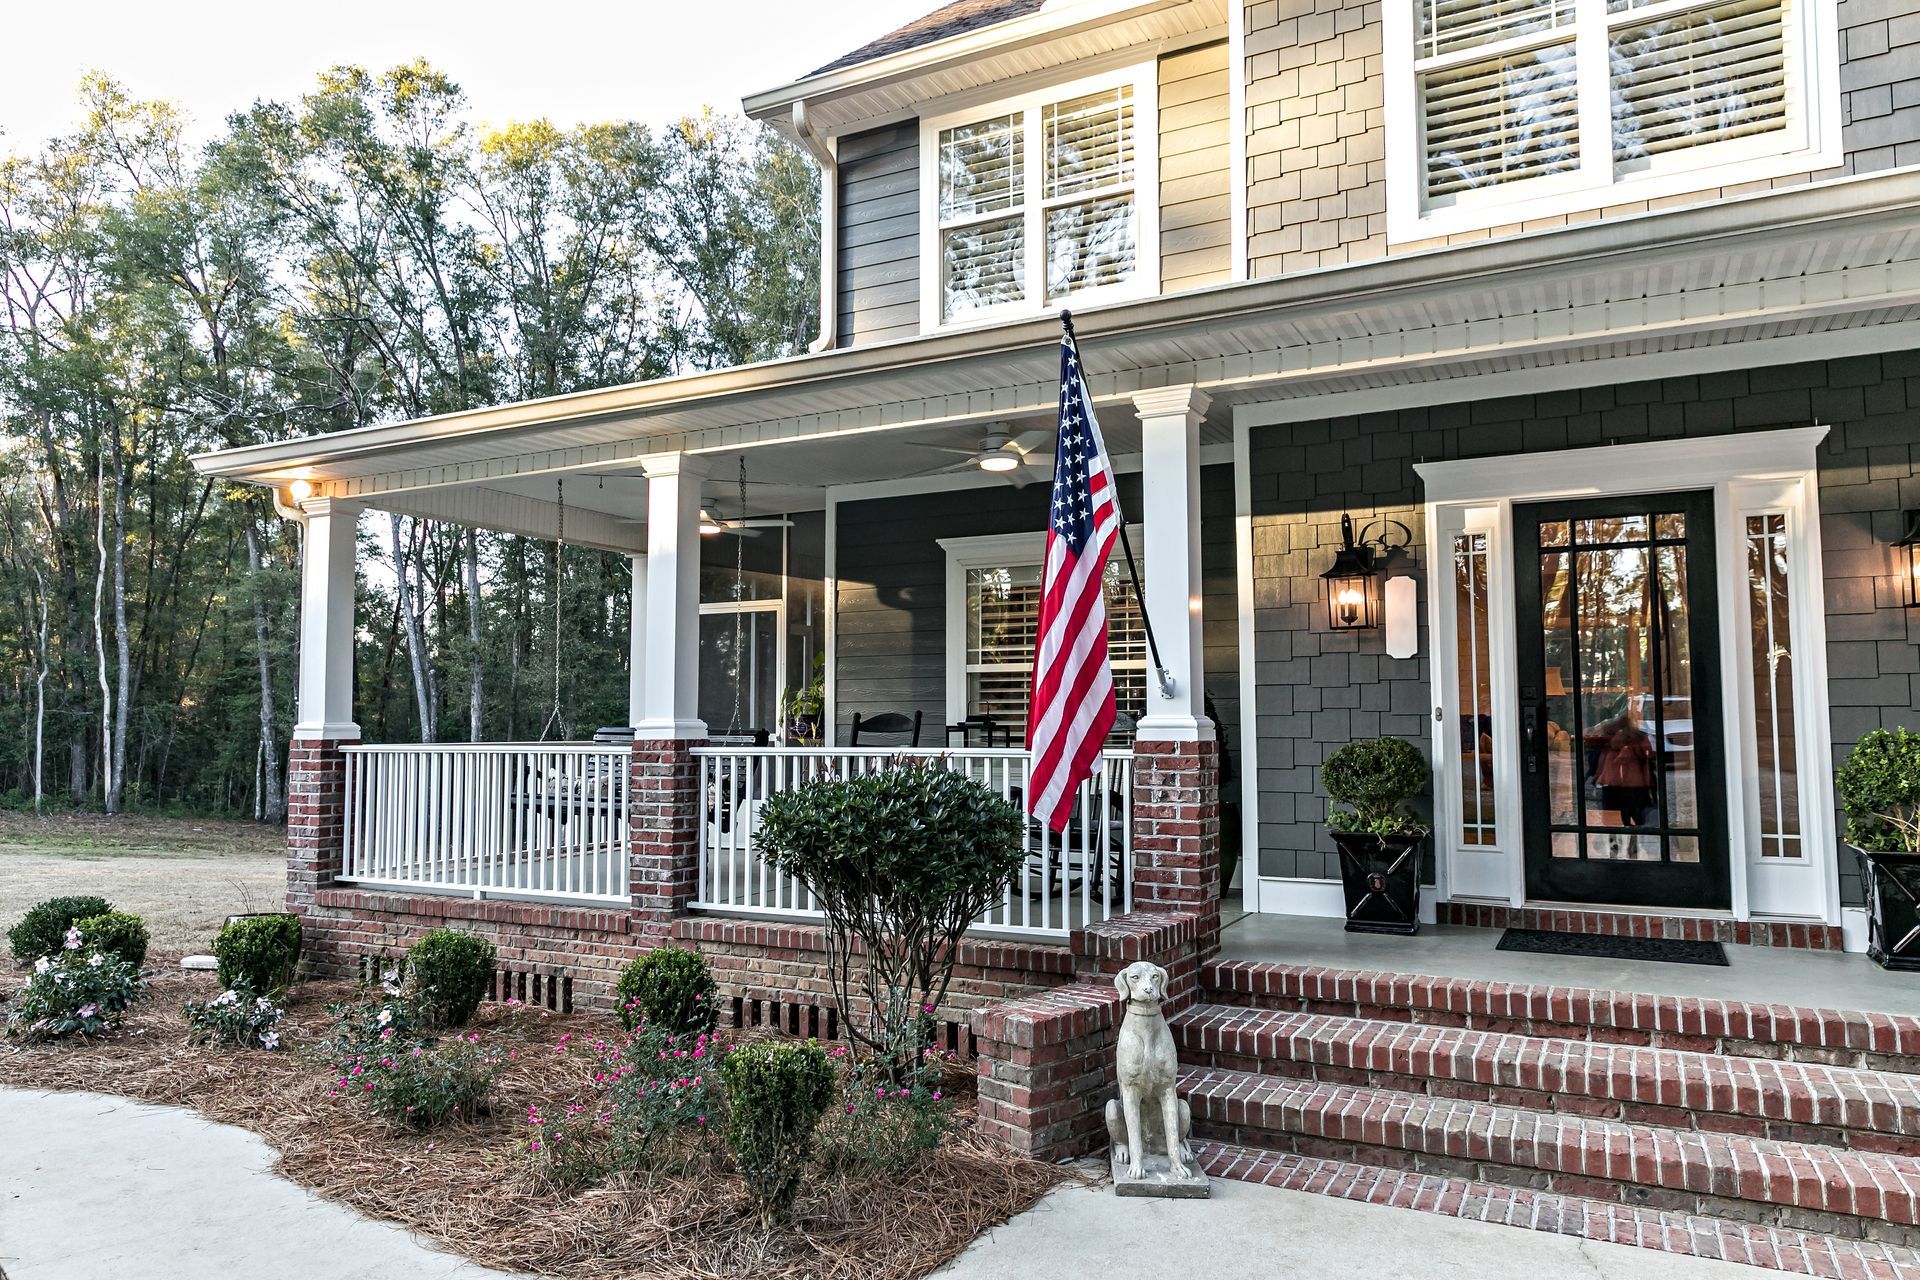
[(43, 930), (1375, 777), (118, 933), (258, 954), (669, 989), (777, 1090), (449, 972), (1880, 789)]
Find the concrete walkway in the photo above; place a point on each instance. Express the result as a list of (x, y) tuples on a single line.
[(94, 1186)]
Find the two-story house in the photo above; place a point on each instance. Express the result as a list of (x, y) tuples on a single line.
[(1598, 321)]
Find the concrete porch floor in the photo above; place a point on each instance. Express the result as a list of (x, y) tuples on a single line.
[(1767, 975)]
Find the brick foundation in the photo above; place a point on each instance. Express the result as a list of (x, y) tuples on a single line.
[(316, 824), (663, 819), (1641, 924), (1176, 833)]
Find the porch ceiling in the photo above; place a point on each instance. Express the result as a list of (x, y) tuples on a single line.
[(1839, 258)]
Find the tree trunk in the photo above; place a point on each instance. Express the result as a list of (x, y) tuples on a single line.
[(117, 790), (416, 641), (476, 687), (273, 797), (100, 641), (40, 695)]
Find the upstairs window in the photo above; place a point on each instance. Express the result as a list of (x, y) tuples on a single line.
[(1040, 201), (1522, 109)]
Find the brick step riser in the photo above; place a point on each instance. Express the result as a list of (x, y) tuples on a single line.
[(1598, 1108), (1781, 1050), (1639, 1195)]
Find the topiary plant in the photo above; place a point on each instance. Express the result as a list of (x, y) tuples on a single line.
[(902, 861), (1375, 777), (777, 1090), (669, 989), (1880, 790), (449, 972), (43, 930), (258, 954), (117, 933)]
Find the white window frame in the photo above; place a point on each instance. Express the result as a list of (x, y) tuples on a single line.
[(1144, 78), (1752, 473), (777, 606), (1811, 141), (989, 551)]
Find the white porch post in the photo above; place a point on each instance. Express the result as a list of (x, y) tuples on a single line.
[(326, 621), (670, 679), (1170, 508), (637, 643)]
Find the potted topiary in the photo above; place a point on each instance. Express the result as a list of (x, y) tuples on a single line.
[(1880, 791), (1380, 843)]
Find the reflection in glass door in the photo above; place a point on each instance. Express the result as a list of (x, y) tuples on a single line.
[(1621, 760)]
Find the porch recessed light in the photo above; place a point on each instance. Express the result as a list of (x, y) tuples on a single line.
[(300, 490)]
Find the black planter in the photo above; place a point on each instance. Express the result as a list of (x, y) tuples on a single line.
[(1893, 907), (1381, 878)]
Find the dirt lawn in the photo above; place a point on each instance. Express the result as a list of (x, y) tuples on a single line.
[(184, 875)]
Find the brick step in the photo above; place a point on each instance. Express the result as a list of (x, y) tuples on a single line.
[(1783, 1249), (1836, 1037), (1761, 1098), (1854, 1194)]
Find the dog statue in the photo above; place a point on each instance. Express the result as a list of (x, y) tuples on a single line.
[(1148, 1118)]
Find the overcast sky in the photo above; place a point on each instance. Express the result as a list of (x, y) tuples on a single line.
[(567, 60)]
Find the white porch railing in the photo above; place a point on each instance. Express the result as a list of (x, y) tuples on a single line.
[(1082, 874), (509, 820)]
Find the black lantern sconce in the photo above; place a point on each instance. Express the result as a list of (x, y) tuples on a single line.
[(1909, 544), (1353, 583)]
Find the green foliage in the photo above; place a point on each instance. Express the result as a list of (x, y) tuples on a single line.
[(1375, 777), (1879, 788), (235, 1018), (448, 973), (668, 989), (425, 1086), (43, 930), (901, 861), (652, 1098), (76, 993), (887, 1126), (118, 933), (777, 1090), (258, 953), (372, 1029)]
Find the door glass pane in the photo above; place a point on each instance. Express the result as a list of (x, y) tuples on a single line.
[(1773, 709), (739, 682), (1674, 681), (1474, 683), (1562, 724)]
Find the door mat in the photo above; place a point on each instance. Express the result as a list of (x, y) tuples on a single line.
[(1607, 946)]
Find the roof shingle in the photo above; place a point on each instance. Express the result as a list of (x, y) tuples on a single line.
[(953, 19)]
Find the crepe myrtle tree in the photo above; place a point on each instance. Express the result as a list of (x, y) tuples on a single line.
[(901, 861)]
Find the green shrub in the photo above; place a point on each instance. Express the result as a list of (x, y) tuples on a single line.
[(372, 1029), (43, 930), (449, 973), (237, 1018), (425, 1086), (83, 993), (887, 1127), (258, 953), (1375, 777), (1880, 790), (901, 861), (118, 933), (651, 1093), (777, 1091), (670, 990)]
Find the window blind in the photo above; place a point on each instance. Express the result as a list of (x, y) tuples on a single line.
[(982, 173), (1003, 613), (1447, 26), (1500, 120), (1696, 78)]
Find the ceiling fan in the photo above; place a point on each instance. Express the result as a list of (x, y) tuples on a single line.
[(1007, 456), (745, 527)]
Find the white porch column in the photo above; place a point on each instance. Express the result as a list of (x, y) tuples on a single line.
[(670, 681), (326, 620), (637, 643), (1170, 509)]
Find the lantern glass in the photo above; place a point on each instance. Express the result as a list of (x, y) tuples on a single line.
[(1908, 548), (1350, 604)]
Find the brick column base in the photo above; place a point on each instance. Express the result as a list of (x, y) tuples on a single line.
[(316, 816), (1046, 1060), (1176, 833), (663, 832)]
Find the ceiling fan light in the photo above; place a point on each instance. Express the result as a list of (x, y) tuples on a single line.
[(708, 525), (999, 460)]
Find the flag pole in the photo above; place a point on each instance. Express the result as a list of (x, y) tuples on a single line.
[(1167, 683)]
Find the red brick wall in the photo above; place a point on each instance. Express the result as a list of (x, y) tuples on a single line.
[(1176, 831), (663, 825), (316, 809)]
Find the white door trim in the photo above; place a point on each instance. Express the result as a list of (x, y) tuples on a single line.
[(1748, 473)]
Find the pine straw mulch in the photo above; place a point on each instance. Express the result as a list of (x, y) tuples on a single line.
[(467, 1185)]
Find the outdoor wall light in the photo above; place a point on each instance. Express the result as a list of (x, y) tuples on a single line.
[(1909, 543), (300, 490), (1353, 583)]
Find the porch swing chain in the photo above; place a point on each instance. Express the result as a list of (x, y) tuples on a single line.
[(559, 544), (739, 590)]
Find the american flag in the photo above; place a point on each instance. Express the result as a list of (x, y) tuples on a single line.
[(1072, 709)]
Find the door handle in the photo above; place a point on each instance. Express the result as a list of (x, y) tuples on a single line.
[(1530, 719)]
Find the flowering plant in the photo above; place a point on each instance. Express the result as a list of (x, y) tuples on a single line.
[(374, 1028), (887, 1123), (76, 992), (648, 1091), (236, 1017), (423, 1086)]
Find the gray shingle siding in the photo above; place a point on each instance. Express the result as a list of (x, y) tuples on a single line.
[(1317, 690), (878, 255), (1880, 83)]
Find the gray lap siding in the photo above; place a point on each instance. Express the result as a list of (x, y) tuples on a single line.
[(1317, 690)]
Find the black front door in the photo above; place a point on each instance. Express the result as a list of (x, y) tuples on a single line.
[(1622, 766)]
